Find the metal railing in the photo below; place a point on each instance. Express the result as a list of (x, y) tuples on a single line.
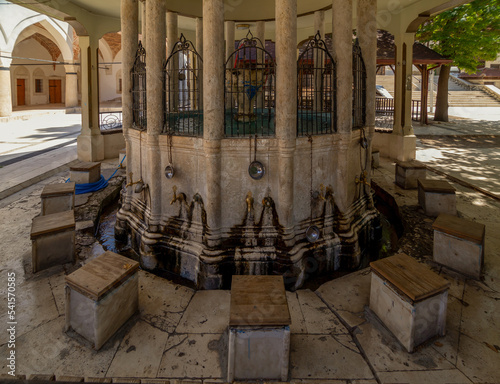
[(385, 107), (110, 121)]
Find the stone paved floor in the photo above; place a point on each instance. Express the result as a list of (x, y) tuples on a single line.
[(179, 334)]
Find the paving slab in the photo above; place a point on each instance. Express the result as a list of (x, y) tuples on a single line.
[(208, 312), (318, 317), (326, 357), (449, 376), (161, 302), (348, 296), (298, 323), (139, 353), (478, 361), (386, 354), (192, 356)]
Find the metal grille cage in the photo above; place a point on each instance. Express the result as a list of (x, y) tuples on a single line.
[(358, 88), (249, 95), (138, 73), (316, 90), (183, 104)]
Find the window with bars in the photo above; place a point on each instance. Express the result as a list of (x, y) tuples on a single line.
[(183, 104), (138, 74), (38, 85), (316, 90), (249, 90), (358, 87)]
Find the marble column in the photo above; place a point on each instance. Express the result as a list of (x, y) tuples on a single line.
[(90, 143), (230, 32), (71, 93), (143, 23), (213, 118), (403, 84), (319, 27), (129, 28), (367, 35), (342, 53), (5, 86), (286, 107), (172, 39), (155, 56)]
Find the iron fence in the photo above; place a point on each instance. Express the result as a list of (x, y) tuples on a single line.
[(139, 104)]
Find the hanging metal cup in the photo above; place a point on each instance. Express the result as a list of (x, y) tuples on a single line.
[(256, 170), (312, 233), (169, 171)]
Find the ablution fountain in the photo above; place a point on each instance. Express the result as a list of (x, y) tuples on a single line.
[(258, 164)]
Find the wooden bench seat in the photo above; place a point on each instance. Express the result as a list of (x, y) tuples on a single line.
[(101, 296), (436, 196), (58, 197), (409, 298), (259, 329), (85, 172), (459, 244), (53, 240)]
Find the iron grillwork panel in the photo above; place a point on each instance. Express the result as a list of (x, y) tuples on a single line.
[(358, 88), (316, 90), (183, 111), (138, 73), (249, 95)]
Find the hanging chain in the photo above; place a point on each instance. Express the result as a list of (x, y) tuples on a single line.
[(170, 145), (255, 149)]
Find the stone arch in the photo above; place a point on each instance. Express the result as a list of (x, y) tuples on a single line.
[(52, 31)]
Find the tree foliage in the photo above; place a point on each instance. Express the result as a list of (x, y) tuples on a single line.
[(467, 34)]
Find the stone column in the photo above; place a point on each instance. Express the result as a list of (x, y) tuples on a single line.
[(319, 27), (286, 107), (5, 85), (143, 23), (367, 34), (129, 28), (172, 39), (403, 84), (90, 143), (342, 52), (230, 32), (155, 56), (213, 120), (71, 98)]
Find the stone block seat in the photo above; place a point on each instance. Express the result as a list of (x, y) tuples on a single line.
[(101, 296), (53, 240), (58, 197), (436, 196), (459, 244), (259, 329), (85, 172), (409, 299), (408, 172)]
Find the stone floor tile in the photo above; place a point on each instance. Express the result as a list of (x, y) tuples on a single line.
[(98, 380), (192, 355), (41, 377), (457, 282), (161, 302), (447, 346), (480, 317), (123, 380), (348, 296), (208, 312), (48, 349), (364, 381), (480, 362), (452, 376), (57, 283), (385, 353), (326, 357), (69, 379), (140, 351), (318, 317), (298, 323), (156, 381)]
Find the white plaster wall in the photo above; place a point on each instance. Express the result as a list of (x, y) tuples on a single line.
[(108, 79)]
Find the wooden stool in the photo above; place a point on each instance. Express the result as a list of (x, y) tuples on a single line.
[(53, 238), (407, 173), (375, 158), (436, 196), (58, 198), (101, 296), (85, 173), (409, 298), (459, 244), (259, 332)]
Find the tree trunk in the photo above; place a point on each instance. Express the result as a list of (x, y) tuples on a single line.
[(441, 113)]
